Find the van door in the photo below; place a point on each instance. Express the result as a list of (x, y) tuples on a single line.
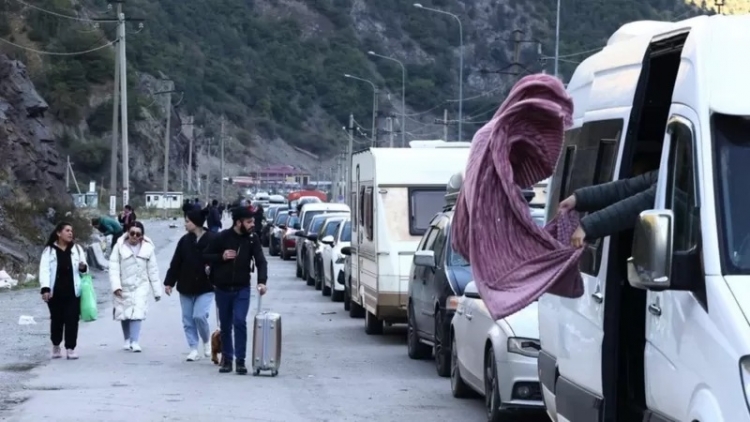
[(671, 315), (593, 164)]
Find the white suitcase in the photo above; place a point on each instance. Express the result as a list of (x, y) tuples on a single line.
[(266, 341)]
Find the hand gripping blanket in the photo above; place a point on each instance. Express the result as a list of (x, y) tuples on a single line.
[(513, 260)]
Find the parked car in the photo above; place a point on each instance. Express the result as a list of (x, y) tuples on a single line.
[(497, 359), (437, 280), (269, 215), (333, 261), (326, 237), (310, 210), (274, 243), (308, 239), (289, 238)]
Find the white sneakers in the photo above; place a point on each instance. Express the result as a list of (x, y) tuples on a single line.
[(193, 356), (207, 348), (127, 346), (135, 347)]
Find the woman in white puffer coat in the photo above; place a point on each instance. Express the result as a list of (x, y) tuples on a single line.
[(133, 274)]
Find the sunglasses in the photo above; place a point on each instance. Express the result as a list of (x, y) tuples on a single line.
[(135, 234)]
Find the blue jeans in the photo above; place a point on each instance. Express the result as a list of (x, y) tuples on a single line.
[(195, 310), (131, 329), (214, 229), (233, 308)]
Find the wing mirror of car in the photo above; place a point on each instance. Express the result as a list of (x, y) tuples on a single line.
[(650, 266), (282, 226), (346, 250), (471, 291), (312, 237), (300, 233), (424, 259), (327, 240)]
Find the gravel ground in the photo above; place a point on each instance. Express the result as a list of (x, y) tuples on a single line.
[(27, 346)]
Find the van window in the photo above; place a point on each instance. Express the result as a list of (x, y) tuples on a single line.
[(439, 245), (681, 195), (599, 141), (424, 203), (361, 214), (355, 209), (731, 154), (559, 183), (369, 206), (307, 218)]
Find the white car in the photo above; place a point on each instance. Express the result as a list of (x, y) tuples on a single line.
[(333, 260), (496, 359)]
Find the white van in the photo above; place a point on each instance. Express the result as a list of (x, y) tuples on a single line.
[(307, 213), (395, 194), (662, 335)]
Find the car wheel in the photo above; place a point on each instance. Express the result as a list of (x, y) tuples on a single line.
[(491, 390), (307, 276), (458, 387), (336, 295), (373, 325), (355, 310), (442, 353), (318, 276), (415, 349), (327, 290)]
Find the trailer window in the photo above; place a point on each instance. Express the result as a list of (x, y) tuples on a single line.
[(369, 206), (424, 203), (361, 208)]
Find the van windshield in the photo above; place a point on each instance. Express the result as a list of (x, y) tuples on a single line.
[(308, 218), (731, 155)]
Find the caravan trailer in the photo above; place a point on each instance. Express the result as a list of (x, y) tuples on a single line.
[(395, 193), (661, 332)]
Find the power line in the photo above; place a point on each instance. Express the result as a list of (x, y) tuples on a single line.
[(75, 18), (55, 53)]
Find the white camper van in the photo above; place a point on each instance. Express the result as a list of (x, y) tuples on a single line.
[(395, 194), (661, 332)]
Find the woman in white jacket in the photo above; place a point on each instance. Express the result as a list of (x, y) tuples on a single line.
[(133, 273), (60, 268)]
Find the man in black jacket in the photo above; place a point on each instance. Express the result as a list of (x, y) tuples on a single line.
[(232, 255), (214, 217), (188, 272)]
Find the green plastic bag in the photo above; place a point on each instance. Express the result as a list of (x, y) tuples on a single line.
[(88, 299)]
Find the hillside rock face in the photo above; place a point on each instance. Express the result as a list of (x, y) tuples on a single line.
[(29, 157), (32, 173)]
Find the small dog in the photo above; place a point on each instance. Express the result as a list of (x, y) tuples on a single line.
[(215, 346)]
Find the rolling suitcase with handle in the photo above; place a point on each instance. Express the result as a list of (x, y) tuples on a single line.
[(266, 341)]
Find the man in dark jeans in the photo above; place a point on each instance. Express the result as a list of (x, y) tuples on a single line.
[(232, 255)]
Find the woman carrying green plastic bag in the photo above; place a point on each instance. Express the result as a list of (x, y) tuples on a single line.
[(88, 299)]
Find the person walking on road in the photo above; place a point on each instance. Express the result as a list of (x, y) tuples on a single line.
[(232, 255), (133, 272), (214, 217), (127, 217), (188, 271), (108, 226), (60, 270)]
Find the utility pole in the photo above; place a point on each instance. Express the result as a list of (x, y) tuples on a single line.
[(190, 155), (517, 48), (445, 127), (719, 4), (67, 174), (557, 38), (221, 181), (208, 169), (348, 172), (124, 111), (115, 132), (166, 146), (389, 124)]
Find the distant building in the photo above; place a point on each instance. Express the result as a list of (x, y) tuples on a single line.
[(172, 200)]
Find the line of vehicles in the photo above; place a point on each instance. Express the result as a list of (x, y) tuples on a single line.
[(389, 260), (662, 331)]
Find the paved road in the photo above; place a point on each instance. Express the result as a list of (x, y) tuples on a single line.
[(331, 371)]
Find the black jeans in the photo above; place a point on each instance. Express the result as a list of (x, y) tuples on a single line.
[(64, 314)]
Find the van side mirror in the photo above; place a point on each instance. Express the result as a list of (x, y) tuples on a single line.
[(346, 250), (471, 291), (650, 266), (424, 259), (312, 237)]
